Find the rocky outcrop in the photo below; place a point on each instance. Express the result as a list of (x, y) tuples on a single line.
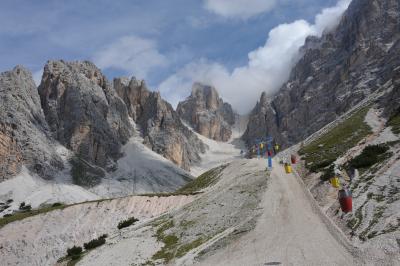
[(206, 112), (10, 153), (160, 125), (24, 134), (336, 71), (83, 111)]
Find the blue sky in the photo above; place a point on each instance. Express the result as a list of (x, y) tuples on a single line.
[(151, 39)]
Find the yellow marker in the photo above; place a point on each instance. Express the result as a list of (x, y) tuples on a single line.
[(335, 182), (288, 168)]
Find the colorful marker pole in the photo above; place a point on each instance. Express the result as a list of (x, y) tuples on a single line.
[(269, 161)]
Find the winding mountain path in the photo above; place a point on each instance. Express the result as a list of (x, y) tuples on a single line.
[(291, 231)]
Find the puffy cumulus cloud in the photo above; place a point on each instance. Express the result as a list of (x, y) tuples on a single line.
[(267, 69), (239, 8), (132, 54), (177, 86)]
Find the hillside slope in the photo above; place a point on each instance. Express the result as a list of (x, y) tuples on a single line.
[(367, 163), (43, 239), (289, 231)]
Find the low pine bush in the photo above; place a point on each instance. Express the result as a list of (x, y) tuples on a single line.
[(95, 242), (369, 156), (127, 222), (24, 207), (74, 251)]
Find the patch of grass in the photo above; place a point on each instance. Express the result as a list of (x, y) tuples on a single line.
[(172, 248), (320, 153), (182, 250), (355, 222), (394, 122), (127, 222), (366, 234), (203, 181), (166, 253), (370, 156), (168, 194), (22, 215), (164, 227)]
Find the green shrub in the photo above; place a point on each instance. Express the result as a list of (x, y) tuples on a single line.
[(7, 215), (75, 257), (95, 242), (205, 180), (328, 173), (24, 207), (324, 150), (56, 204), (369, 156), (74, 251), (318, 166), (127, 222), (394, 122)]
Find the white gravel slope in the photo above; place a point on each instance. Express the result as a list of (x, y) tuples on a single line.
[(289, 232), (141, 170), (221, 152), (35, 191), (42, 239)]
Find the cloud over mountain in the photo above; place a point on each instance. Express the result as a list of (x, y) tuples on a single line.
[(268, 66), (132, 54)]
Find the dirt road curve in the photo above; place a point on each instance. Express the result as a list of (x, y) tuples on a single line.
[(289, 232)]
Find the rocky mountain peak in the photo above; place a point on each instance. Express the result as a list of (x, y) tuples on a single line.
[(160, 125), (206, 96), (24, 135), (83, 111), (134, 93), (207, 113), (335, 72)]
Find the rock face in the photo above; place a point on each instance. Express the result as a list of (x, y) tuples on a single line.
[(24, 134), (336, 71), (83, 111), (207, 113), (160, 125)]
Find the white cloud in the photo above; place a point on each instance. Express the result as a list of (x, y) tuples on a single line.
[(330, 17), (239, 8), (267, 69), (135, 55)]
